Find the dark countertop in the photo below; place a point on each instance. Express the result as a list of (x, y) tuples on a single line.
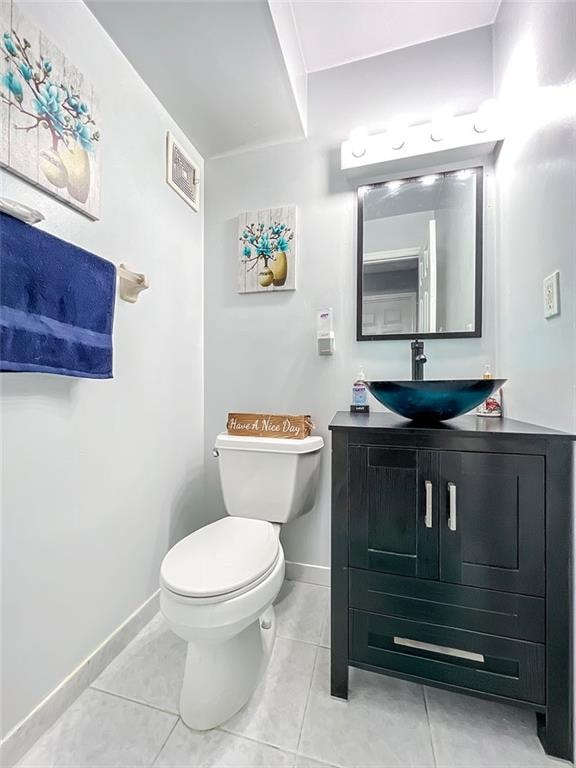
[(464, 425)]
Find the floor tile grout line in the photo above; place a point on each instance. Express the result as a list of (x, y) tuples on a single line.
[(153, 763), (106, 693), (325, 623), (322, 762), (318, 644), (245, 736), (222, 727), (135, 701), (292, 752), (429, 726), (307, 699), (307, 583)]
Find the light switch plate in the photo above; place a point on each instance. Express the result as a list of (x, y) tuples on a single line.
[(552, 294)]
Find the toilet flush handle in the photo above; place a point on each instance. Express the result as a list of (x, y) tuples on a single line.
[(215, 452)]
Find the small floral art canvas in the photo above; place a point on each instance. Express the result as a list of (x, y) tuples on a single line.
[(49, 116), (267, 260)]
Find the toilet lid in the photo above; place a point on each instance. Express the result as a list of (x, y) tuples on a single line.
[(220, 558)]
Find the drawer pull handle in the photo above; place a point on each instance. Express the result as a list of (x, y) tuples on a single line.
[(439, 649), (452, 506), (428, 514)]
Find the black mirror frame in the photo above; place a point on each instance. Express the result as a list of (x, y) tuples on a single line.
[(477, 332)]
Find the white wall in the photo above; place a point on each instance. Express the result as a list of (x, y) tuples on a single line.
[(100, 477), (535, 81), (413, 82), (260, 349)]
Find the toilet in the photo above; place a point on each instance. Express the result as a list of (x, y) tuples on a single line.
[(218, 584)]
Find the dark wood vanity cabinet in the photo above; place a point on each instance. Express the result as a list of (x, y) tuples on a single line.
[(451, 560), (467, 518)]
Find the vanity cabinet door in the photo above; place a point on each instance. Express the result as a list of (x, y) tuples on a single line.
[(492, 521), (394, 510)]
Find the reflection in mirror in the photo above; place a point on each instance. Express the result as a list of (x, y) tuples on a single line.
[(420, 256)]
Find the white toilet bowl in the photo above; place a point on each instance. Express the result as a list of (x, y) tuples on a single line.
[(230, 633), (218, 584)]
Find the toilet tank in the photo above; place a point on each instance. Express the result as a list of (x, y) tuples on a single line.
[(268, 478)]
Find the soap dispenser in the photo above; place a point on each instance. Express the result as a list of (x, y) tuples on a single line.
[(360, 394)]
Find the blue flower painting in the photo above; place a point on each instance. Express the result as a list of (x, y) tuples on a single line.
[(51, 113), (267, 260)]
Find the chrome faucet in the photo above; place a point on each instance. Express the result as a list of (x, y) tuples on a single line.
[(418, 360)]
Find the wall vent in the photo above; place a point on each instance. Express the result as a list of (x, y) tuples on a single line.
[(181, 173)]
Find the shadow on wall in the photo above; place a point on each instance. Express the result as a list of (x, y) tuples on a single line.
[(42, 385), (188, 512), (214, 501), (338, 181)]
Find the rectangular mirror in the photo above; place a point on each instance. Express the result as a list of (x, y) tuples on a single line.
[(420, 257)]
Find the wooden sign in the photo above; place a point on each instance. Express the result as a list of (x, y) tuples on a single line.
[(269, 425)]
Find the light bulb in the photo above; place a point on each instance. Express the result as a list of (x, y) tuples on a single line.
[(464, 174), (440, 126), (485, 116), (428, 180), (397, 133), (394, 185), (358, 137)]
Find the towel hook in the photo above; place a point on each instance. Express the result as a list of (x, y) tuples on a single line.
[(131, 283)]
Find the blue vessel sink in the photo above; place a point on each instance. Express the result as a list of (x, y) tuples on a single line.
[(433, 400)]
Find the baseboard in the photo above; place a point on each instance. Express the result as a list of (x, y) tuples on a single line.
[(19, 740), (312, 574)]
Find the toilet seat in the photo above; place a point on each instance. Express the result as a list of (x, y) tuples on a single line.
[(221, 560)]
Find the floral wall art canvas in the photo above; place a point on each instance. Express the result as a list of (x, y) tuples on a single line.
[(267, 259), (49, 116)]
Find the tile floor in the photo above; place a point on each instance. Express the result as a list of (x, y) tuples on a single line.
[(129, 716)]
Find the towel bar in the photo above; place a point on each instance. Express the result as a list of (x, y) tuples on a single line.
[(131, 283)]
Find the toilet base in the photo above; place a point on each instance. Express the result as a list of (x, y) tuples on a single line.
[(220, 678)]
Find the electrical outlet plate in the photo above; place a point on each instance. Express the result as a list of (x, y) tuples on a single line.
[(552, 294)]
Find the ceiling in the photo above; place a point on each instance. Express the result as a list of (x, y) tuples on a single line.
[(216, 66), (340, 31), (233, 73)]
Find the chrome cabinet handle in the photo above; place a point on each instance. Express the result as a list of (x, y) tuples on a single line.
[(443, 649), (428, 513), (452, 506)]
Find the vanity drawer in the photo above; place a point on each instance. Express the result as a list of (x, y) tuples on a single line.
[(497, 665), (451, 605)]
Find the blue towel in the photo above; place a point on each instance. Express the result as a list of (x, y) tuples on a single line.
[(56, 305)]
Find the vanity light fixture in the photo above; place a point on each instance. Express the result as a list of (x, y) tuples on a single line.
[(394, 185), (485, 116), (427, 181), (358, 138), (447, 139)]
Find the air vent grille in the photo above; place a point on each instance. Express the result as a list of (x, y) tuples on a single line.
[(181, 173)]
